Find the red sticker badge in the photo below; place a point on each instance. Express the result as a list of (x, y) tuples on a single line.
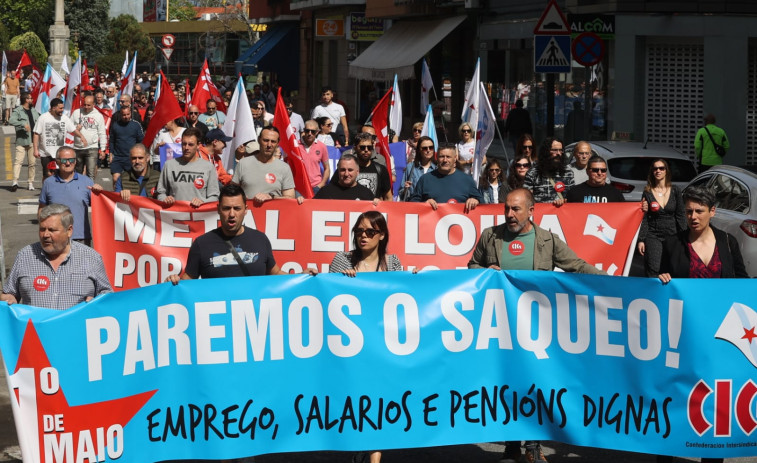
[(270, 178), (452, 201), (654, 206), (559, 187), (199, 183), (41, 283), (517, 248)]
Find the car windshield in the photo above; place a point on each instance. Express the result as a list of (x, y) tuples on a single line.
[(638, 168)]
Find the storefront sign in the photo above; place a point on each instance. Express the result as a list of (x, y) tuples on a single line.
[(363, 29), (602, 25), (329, 27)]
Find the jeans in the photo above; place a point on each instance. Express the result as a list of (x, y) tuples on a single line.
[(87, 157)]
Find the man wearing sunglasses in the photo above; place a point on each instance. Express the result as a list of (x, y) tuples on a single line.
[(595, 189), (314, 154), (69, 188), (193, 120)]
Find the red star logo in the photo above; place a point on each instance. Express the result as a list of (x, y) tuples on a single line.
[(73, 423), (600, 228), (749, 334)]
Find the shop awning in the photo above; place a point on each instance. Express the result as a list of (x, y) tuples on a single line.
[(277, 51), (400, 48)]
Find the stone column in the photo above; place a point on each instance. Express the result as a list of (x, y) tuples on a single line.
[(59, 34)]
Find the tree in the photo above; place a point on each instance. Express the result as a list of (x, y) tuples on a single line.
[(183, 10), (235, 19), (88, 22), (4, 37), (32, 44), (126, 34), (28, 16)]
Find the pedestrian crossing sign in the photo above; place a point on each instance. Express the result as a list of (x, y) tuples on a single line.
[(552, 53)]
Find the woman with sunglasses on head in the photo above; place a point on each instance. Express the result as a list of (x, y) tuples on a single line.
[(527, 146), (326, 136), (664, 215), (492, 184), (424, 162), (466, 148), (518, 170), (412, 143)]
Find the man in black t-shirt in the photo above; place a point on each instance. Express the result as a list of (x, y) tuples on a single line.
[(372, 175), (595, 189), (211, 254), (344, 185)]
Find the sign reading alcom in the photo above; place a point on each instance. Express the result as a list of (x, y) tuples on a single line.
[(329, 27), (602, 25)]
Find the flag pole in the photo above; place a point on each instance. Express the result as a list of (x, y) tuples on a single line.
[(504, 148)]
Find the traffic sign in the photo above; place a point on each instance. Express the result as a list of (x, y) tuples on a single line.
[(552, 21), (168, 40), (588, 49), (552, 53), (167, 52)]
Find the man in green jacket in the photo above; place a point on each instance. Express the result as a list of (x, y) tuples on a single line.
[(704, 147), (23, 119)]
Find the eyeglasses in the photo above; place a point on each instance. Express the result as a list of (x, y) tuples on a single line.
[(427, 148), (466, 131), (656, 168), (67, 161), (310, 130), (528, 147), (211, 108), (417, 130), (365, 147), (289, 109), (193, 112), (369, 232), (495, 170), (328, 125), (523, 165), (598, 170)]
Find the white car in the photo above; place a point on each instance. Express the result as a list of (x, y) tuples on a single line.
[(735, 192), (628, 164)]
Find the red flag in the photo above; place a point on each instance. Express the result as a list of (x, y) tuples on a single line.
[(36, 83), (25, 61), (85, 85), (187, 99), (96, 82), (380, 121), (291, 148), (206, 89), (107, 115), (166, 109)]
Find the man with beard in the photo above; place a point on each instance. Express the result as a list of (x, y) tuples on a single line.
[(520, 244), (91, 124), (193, 121), (124, 134), (315, 155), (550, 179), (346, 186), (595, 189), (372, 175)]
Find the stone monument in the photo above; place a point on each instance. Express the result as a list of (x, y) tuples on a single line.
[(59, 34)]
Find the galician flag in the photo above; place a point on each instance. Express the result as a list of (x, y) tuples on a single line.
[(395, 111), (597, 227), (429, 128), (487, 125), (471, 104), (52, 83), (126, 63), (739, 327), (127, 82), (72, 86), (239, 124), (5, 65), (426, 85)]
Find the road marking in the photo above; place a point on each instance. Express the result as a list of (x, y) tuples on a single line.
[(8, 157), (28, 206)]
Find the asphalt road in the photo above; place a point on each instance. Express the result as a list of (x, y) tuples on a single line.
[(19, 227)]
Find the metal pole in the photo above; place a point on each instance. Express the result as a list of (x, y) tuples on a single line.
[(550, 105), (587, 104)]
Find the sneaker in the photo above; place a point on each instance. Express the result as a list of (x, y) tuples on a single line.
[(534, 453), (512, 453), (14, 187), (31, 187)]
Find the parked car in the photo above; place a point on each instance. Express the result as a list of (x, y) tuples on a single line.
[(735, 191), (628, 164)]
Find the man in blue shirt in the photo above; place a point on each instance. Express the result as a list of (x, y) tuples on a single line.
[(447, 184)]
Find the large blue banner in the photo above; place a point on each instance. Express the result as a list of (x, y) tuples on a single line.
[(244, 366)]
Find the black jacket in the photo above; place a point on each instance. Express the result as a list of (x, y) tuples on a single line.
[(676, 258)]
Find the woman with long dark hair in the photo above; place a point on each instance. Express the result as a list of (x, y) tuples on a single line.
[(492, 183), (526, 145), (370, 237), (518, 170), (664, 216), (423, 163)]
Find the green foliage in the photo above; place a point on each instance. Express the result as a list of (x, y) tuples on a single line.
[(88, 23), (4, 37), (181, 10), (28, 16), (126, 34), (110, 62), (32, 44)]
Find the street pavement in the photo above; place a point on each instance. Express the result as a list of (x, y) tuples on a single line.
[(19, 227)]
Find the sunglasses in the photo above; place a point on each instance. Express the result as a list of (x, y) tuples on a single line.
[(211, 108), (598, 170), (67, 161), (310, 130), (328, 125), (656, 168), (365, 147), (523, 165), (427, 148), (495, 170), (417, 130), (369, 232), (528, 147), (466, 131), (193, 112)]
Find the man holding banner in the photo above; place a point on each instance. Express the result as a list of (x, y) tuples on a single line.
[(188, 178)]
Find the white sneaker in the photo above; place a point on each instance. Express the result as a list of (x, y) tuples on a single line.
[(31, 187)]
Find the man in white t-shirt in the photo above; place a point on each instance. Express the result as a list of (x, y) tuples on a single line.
[(335, 112), (50, 134)]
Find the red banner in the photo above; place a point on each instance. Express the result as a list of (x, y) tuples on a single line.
[(142, 242)]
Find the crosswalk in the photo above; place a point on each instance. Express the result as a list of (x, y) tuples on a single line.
[(28, 206)]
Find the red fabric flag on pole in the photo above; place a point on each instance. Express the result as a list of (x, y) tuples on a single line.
[(291, 147), (380, 121), (36, 83), (167, 108), (85, 85), (206, 89), (187, 99), (25, 61), (96, 82), (107, 115)]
